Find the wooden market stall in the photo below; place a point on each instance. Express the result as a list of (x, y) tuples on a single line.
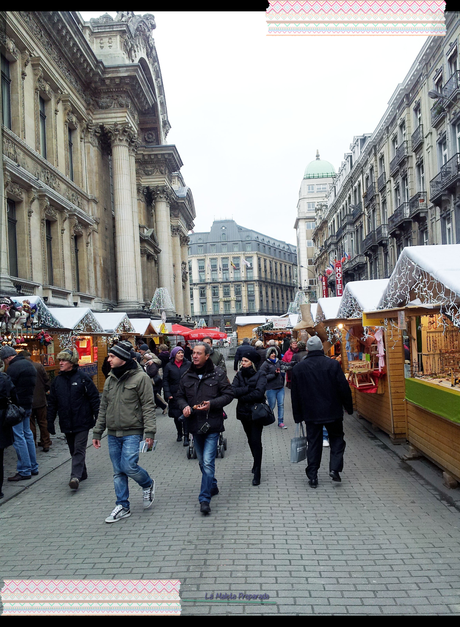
[(116, 326), (374, 359), (33, 330), (424, 296), (78, 328), (245, 326)]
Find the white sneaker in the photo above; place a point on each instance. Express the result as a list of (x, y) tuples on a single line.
[(149, 495), (117, 514), (325, 442)]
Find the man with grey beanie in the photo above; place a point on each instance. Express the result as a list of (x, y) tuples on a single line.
[(319, 395), (23, 375), (127, 411)]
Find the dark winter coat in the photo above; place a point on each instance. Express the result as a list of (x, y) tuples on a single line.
[(213, 386), (75, 399), (248, 387), (297, 357), (275, 380), (7, 391), (164, 357), (23, 375), (171, 377), (42, 386), (320, 390)]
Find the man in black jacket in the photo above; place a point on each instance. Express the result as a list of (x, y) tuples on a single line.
[(204, 391), (23, 375), (75, 398), (319, 394)]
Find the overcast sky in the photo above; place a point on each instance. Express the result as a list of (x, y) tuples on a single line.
[(248, 111)]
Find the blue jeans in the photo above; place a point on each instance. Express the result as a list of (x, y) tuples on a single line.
[(206, 451), (124, 453), (276, 397), (24, 445)]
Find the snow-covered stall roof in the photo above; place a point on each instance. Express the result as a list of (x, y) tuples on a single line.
[(359, 296), (143, 326), (114, 322), (42, 315), (430, 274), (242, 321), (78, 319), (327, 309)]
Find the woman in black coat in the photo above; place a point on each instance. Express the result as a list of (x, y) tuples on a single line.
[(172, 374), (7, 391), (249, 387)]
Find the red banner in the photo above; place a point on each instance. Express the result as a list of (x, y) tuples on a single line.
[(324, 286), (338, 278)]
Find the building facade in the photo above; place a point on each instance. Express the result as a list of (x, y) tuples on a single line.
[(95, 210), (314, 188), (236, 271), (400, 185)]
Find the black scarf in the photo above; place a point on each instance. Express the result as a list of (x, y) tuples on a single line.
[(131, 364)]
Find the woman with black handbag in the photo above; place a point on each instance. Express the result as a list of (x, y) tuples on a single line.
[(7, 394), (249, 388)]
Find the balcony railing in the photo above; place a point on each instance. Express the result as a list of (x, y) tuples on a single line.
[(418, 205), (402, 152), (402, 214), (452, 85), (437, 112), (357, 211), (356, 261), (417, 137), (369, 194), (447, 177), (381, 181), (369, 241), (381, 234)]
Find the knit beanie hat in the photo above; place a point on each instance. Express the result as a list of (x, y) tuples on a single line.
[(143, 347), (252, 355), (314, 344), (174, 352), (68, 354), (7, 351), (123, 350)]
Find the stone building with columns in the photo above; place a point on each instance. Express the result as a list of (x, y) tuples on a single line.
[(95, 210)]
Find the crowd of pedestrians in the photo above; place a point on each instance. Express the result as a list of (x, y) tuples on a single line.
[(188, 383)]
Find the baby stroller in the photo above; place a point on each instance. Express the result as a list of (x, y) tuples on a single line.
[(221, 445)]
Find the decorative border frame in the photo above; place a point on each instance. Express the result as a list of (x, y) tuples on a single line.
[(356, 17), (89, 597)]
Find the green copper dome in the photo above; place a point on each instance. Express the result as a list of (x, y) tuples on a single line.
[(318, 169)]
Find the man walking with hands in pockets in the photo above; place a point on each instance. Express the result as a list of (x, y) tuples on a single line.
[(127, 411)]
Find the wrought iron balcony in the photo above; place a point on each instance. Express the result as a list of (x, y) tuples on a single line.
[(401, 215), (394, 165), (356, 262), (418, 206), (357, 211), (381, 234), (452, 86), (369, 194), (437, 112), (417, 137), (369, 242), (381, 181), (446, 179), (402, 152)]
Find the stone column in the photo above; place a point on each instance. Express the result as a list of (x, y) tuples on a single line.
[(135, 215), (121, 137), (184, 242), (177, 261), (163, 229)]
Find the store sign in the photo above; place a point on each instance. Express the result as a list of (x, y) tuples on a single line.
[(372, 322), (338, 278), (280, 323), (402, 320), (324, 286)]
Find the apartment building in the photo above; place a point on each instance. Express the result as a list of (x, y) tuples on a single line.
[(399, 186), (235, 271)]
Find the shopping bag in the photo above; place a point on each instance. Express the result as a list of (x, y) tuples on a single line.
[(299, 444)]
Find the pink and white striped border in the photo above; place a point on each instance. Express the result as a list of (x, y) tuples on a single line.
[(356, 17), (89, 597)]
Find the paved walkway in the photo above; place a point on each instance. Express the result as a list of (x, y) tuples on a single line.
[(385, 541)]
